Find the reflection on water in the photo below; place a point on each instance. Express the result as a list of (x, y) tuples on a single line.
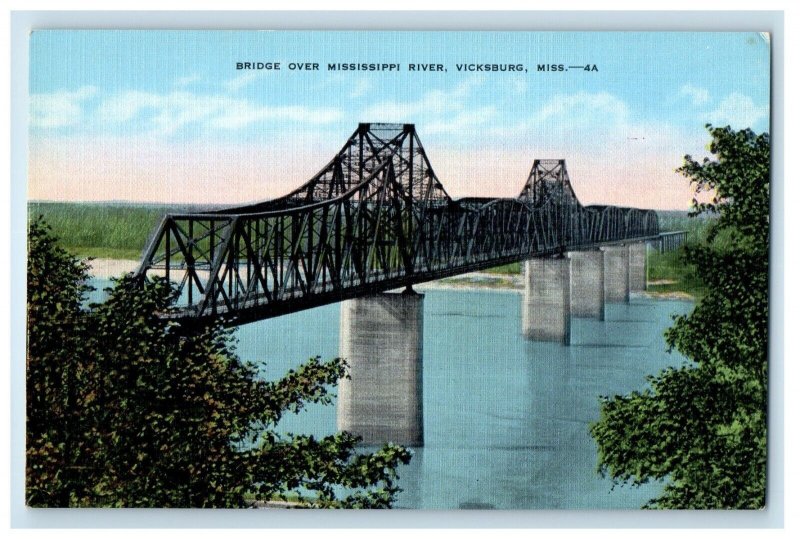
[(506, 419)]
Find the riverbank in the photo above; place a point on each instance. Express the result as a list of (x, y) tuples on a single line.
[(107, 268)]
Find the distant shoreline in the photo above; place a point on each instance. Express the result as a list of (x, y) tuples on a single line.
[(106, 268)]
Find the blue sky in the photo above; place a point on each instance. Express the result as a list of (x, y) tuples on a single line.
[(166, 116)]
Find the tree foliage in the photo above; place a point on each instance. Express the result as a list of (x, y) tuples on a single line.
[(127, 409), (703, 426)]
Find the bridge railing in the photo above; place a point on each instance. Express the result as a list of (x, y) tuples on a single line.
[(670, 241)]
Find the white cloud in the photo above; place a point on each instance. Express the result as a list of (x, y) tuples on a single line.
[(433, 104), (439, 111), (592, 117), (738, 111), (241, 113), (237, 83), (187, 81), (59, 109), (125, 106), (165, 114), (162, 113), (583, 107), (461, 122), (361, 88), (699, 95), (519, 86), (614, 156)]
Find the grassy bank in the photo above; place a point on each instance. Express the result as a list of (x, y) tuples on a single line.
[(117, 231), (668, 274), (515, 268)]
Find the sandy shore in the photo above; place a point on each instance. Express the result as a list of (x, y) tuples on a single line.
[(477, 280), (106, 268), (680, 296)]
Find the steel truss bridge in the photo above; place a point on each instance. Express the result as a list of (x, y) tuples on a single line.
[(375, 218)]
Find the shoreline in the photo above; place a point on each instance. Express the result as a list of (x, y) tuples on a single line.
[(106, 268)]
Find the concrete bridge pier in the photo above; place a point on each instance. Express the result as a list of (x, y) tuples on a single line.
[(637, 272), (616, 273), (546, 300), (380, 337), (587, 286)]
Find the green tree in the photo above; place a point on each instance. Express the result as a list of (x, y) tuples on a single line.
[(56, 287), (128, 409), (703, 427)]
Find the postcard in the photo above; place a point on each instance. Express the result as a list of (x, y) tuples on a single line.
[(398, 269)]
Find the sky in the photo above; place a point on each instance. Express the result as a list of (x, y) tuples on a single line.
[(166, 116)]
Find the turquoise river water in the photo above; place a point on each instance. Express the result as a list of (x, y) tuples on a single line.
[(506, 420)]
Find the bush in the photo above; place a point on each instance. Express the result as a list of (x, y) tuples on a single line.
[(127, 409), (703, 427)]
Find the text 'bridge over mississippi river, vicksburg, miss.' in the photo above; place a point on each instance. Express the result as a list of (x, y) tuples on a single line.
[(375, 218)]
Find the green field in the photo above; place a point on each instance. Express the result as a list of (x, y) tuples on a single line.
[(101, 230)]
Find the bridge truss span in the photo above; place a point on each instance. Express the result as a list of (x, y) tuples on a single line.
[(374, 218)]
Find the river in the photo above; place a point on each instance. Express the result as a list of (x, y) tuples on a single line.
[(506, 420)]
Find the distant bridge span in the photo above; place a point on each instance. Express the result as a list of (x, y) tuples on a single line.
[(375, 218)]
